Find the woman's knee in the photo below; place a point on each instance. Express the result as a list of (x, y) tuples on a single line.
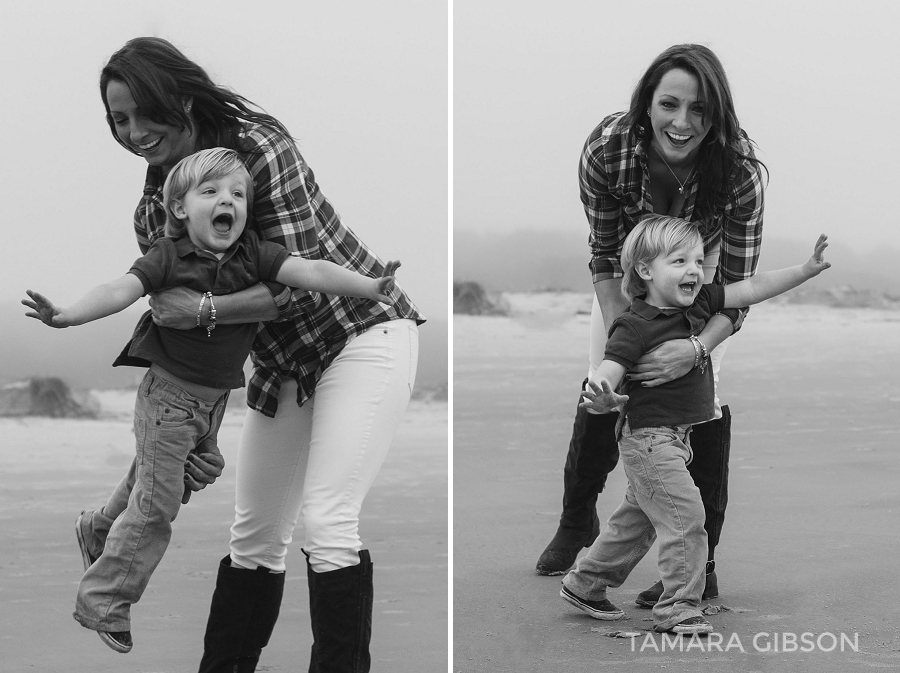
[(325, 527)]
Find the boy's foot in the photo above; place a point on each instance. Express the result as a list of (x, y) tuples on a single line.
[(693, 625), (86, 555), (596, 609), (120, 641)]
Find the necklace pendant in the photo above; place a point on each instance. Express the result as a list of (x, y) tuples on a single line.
[(681, 190)]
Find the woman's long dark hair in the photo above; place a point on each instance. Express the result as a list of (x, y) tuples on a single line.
[(161, 79), (721, 152)]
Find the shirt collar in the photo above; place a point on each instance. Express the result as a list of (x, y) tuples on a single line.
[(184, 247), (648, 311), (154, 180)]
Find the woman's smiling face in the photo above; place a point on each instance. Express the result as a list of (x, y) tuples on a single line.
[(160, 144), (676, 117)]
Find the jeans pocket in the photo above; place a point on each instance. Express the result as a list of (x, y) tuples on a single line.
[(174, 411), (665, 443)]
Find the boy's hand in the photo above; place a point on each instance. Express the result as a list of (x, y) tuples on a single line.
[(602, 398), (44, 310), (817, 264), (385, 285)]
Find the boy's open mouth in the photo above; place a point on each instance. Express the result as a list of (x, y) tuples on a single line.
[(222, 223), (688, 288)]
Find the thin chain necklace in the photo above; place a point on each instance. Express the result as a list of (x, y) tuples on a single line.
[(681, 185)]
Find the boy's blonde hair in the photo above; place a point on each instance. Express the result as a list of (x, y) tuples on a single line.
[(652, 237), (193, 170)]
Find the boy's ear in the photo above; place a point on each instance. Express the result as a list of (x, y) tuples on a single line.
[(178, 209), (643, 270)]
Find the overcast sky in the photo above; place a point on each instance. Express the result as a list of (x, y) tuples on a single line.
[(361, 85), (816, 85)]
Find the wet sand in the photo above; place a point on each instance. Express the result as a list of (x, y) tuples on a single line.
[(811, 535), (52, 469)]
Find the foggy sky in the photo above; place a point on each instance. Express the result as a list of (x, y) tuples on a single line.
[(816, 85), (362, 86)]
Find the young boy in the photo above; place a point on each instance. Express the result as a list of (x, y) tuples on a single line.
[(182, 397), (662, 261)]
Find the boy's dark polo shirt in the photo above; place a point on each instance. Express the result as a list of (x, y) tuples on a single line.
[(689, 399), (216, 360)]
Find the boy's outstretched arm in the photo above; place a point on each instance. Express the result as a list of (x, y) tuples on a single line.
[(599, 397), (770, 284), (316, 275), (98, 303)]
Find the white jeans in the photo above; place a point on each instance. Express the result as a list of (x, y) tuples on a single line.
[(599, 331), (318, 461)]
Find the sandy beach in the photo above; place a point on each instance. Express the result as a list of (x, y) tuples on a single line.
[(810, 539), (52, 469)]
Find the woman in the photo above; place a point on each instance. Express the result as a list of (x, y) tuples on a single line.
[(331, 375), (679, 150)]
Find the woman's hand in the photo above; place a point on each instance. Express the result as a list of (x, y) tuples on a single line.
[(667, 362), (203, 467), (175, 308), (602, 399)]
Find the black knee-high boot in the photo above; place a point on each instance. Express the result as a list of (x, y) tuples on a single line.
[(242, 616), (711, 446), (593, 454), (340, 609)]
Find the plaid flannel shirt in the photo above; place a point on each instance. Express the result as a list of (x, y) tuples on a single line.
[(615, 191), (290, 209)]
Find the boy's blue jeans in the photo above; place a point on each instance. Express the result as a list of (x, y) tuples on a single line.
[(661, 501), (131, 532)]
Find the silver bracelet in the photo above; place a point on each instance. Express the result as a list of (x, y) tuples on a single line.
[(701, 354), (202, 301), (697, 351), (212, 315)]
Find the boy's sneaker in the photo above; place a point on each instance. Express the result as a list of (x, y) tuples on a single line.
[(693, 625), (596, 609), (120, 641), (86, 555)]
